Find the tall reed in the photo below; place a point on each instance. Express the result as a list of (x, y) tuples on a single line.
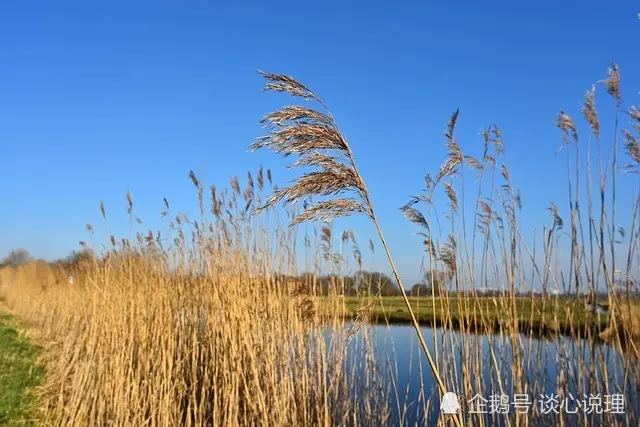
[(204, 325), (315, 138), (486, 246)]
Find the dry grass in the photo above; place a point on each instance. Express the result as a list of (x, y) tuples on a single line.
[(484, 245), (200, 333), (315, 138)]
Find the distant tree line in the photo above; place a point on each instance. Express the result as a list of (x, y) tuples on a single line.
[(434, 283), (358, 284), (16, 257), (361, 283)]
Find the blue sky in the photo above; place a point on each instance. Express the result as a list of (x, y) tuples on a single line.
[(98, 99)]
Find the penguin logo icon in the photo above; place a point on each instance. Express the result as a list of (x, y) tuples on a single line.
[(450, 404)]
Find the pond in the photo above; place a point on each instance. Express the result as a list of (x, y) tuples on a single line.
[(560, 376)]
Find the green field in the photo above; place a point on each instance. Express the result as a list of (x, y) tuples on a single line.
[(19, 375), (560, 314)]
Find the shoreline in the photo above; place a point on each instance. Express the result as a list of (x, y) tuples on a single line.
[(535, 317)]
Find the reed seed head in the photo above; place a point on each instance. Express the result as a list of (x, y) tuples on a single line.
[(635, 115), (313, 136), (451, 194), (612, 82), (567, 125), (194, 179), (129, 202), (632, 146), (590, 113), (498, 140), (414, 215), (260, 178), (557, 220)]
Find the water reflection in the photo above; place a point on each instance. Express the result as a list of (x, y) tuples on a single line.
[(563, 369)]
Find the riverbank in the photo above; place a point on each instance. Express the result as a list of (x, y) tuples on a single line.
[(486, 314), (19, 374)]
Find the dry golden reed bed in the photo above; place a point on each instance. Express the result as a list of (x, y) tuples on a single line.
[(209, 323), (135, 345)]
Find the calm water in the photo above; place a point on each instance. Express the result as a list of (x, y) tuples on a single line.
[(400, 360)]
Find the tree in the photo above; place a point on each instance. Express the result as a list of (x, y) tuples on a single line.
[(436, 280), (420, 290), (374, 281), (78, 259), (17, 257)]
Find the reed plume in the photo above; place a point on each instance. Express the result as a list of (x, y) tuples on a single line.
[(315, 138)]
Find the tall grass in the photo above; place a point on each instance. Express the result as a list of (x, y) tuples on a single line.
[(484, 246), (205, 329), (210, 322)]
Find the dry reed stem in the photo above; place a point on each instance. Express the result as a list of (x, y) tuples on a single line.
[(316, 139)]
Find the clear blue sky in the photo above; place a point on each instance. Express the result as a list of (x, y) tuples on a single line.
[(96, 99)]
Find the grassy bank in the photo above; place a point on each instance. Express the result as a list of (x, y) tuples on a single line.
[(562, 315), (19, 374)]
